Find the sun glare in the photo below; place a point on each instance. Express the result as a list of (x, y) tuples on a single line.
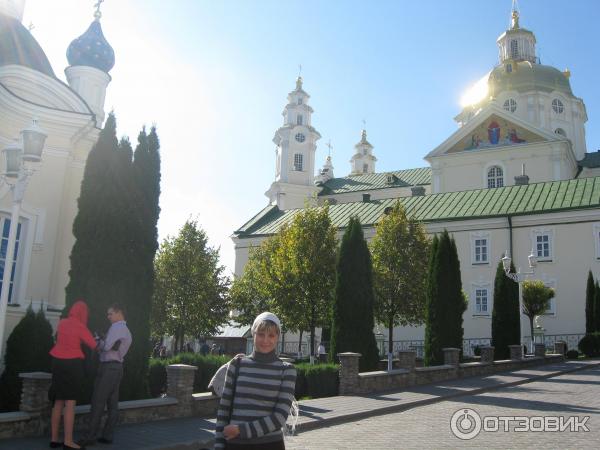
[(476, 93)]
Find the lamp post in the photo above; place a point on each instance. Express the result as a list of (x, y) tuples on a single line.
[(518, 278), (20, 156)]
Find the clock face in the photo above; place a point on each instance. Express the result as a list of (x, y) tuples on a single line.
[(300, 137)]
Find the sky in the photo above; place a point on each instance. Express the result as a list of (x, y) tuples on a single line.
[(213, 75)]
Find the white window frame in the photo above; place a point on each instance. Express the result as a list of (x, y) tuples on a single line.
[(298, 162), (510, 105), (558, 106), (538, 232), (478, 288), (22, 260), (495, 177), (479, 236), (365, 168), (299, 120)]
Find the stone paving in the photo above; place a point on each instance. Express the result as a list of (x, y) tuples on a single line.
[(428, 427), (389, 420)]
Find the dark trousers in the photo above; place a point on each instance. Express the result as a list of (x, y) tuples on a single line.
[(279, 445), (106, 393)]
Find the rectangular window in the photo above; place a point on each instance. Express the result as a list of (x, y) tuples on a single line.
[(299, 120), (481, 301), (365, 168), (481, 251), (299, 100), (5, 224), (542, 245), (298, 162)]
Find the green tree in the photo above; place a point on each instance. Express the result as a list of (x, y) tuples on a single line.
[(590, 294), (506, 317), (27, 350), (305, 258), (190, 295), (400, 252), (536, 299), (353, 320), (597, 306), (446, 301)]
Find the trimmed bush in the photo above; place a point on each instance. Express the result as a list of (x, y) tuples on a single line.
[(207, 366), (27, 350), (317, 380), (589, 345), (572, 354)]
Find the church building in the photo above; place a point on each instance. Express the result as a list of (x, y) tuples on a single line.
[(70, 114), (514, 177)]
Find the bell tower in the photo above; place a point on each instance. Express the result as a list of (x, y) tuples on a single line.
[(296, 145)]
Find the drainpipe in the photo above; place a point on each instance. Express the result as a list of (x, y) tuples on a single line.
[(510, 236)]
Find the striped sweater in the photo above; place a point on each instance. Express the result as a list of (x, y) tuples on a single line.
[(263, 396)]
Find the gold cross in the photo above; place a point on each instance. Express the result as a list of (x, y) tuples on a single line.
[(328, 145)]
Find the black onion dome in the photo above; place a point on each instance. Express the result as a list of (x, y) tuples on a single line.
[(18, 46), (92, 49)]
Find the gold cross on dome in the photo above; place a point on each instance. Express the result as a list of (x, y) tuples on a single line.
[(97, 13), (329, 146)]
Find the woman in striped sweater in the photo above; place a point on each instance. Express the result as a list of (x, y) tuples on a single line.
[(258, 393)]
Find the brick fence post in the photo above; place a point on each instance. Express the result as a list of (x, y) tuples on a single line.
[(560, 347), (539, 349), (407, 359), (451, 356), (487, 354), (349, 373), (516, 352), (34, 394), (180, 385)]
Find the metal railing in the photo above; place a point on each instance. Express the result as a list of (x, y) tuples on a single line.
[(572, 340)]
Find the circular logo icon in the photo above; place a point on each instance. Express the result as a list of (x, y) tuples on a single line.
[(465, 424)]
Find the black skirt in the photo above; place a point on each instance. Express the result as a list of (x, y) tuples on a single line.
[(67, 379)]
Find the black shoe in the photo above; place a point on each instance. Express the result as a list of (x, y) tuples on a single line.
[(55, 444), (85, 442), (104, 440)]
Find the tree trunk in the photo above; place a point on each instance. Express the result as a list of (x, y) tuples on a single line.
[(300, 342), (531, 330), (282, 341), (390, 345)]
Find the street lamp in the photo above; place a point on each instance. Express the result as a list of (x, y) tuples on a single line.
[(518, 278), (19, 155)]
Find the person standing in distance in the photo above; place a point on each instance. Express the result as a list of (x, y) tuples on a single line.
[(113, 349)]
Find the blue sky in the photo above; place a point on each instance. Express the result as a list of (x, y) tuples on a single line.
[(214, 75)]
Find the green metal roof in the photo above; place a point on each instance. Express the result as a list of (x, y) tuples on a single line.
[(539, 198), (372, 181)]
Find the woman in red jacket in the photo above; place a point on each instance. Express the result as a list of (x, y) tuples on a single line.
[(67, 370)]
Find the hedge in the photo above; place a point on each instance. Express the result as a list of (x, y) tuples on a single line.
[(317, 380), (207, 366), (589, 345)]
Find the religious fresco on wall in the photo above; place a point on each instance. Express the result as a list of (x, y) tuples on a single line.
[(495, 132)]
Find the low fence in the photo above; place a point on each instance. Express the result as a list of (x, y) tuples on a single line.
[(469, 346), (572, 340)]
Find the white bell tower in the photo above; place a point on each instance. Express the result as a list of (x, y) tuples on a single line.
[(296, 143), (363, 161)]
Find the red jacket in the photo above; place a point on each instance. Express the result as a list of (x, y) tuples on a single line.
[(71, 332)]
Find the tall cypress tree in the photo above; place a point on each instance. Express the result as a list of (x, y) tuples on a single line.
[(597, 306), (353, 320), (506, 329), (115, 231), (590, 294), (445, 301)]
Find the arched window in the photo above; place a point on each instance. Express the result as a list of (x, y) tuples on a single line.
[(510, 105), (514, 49), (298, 162), (299, 100), (495, 177), (561, 132), (4, 228), (299, 119)]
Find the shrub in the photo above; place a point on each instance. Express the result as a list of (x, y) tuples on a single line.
[(207, 366), (317, 380), (589, 345), (572, 354), (27, 350)]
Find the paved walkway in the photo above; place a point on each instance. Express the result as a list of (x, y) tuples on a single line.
[(193, 433)]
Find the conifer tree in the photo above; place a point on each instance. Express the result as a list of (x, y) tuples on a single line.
[(506, 317), (445, 302), (353, 321), (597, 306), (590, 294), (27, 350)]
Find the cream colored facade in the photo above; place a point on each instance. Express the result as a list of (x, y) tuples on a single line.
[(521, 119), (71, 115)]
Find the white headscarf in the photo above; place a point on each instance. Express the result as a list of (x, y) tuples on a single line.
[(261, 318)]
